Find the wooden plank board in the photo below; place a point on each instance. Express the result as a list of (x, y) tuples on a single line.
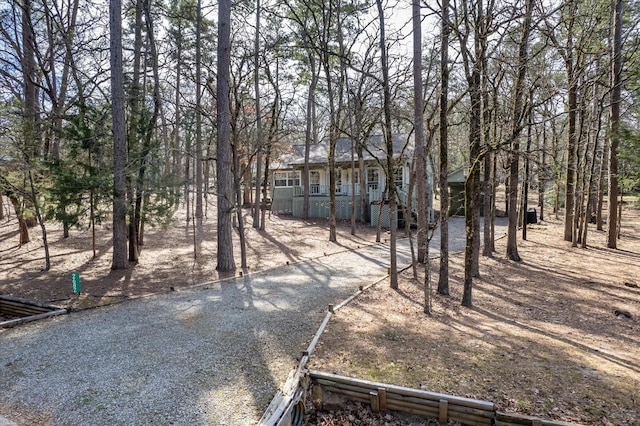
[(27, 302), (466, 402), (14, 311), (17, 311), (14, 307), (22, 320)]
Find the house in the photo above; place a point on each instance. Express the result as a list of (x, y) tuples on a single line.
[(288, 187)]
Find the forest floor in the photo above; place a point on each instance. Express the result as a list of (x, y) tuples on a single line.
[(166, 259), (544, 336)]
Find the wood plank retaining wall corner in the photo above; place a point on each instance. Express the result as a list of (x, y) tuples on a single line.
[(288, 405), (19, 311)]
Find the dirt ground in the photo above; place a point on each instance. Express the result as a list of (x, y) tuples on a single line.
[(542, 339), (545, 336), (166, 259)]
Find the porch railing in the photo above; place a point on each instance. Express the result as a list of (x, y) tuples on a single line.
[(323, 190), (374, 190)]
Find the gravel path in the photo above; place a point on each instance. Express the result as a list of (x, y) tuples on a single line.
[(210, 355)]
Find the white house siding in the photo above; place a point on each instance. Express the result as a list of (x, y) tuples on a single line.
[(319, 207), (282, 199)]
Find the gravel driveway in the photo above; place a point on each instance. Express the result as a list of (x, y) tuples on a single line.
[(210, 355)]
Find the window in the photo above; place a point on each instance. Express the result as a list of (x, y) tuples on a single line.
[(314, 182), (280, 179), (286, 179), (372, 176), (356, 177), (314, 177), (372, 180), (397, 177)]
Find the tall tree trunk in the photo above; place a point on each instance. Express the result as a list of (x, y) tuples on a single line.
[(333, 134), (443, 279), (188, 166), (581, 172), (149, 127), (238, 202), (267, 159), (391, 184), (332, 185), (487, 184), (572, 145), (408, 221), (30, 136), (542, 172), (273, 131), (518, 118), (198, 156), (494, 186), (336, 108), (308, 137), (134, 120), (592, 186), (119, 260), (256, 83), (224, 174), (176, 144), (22, 225), (28, 64), (418, 123), (527, 169), (614, 123), (36, 204), (473, 71), (471, 186), (604, 158)]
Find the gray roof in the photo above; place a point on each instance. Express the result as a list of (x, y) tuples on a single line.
[(376, 149)]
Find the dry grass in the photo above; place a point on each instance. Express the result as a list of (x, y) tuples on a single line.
[(542, 338), (166, 260)]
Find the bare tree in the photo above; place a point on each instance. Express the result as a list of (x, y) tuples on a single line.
[(224, 169), (443, 279), (198, 154), (418, 123), (388, 137), (119, 138), (519, 114), (614, 123), (570, 55), (310, 125), (256, 76), (472, 62)]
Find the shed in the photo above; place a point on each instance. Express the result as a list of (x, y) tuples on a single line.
[(456, 181)]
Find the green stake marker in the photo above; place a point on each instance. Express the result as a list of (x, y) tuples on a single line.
[(75, 281)]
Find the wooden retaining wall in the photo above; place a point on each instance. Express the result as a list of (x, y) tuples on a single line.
[(383, 397), (288, 405), (16, 311)]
